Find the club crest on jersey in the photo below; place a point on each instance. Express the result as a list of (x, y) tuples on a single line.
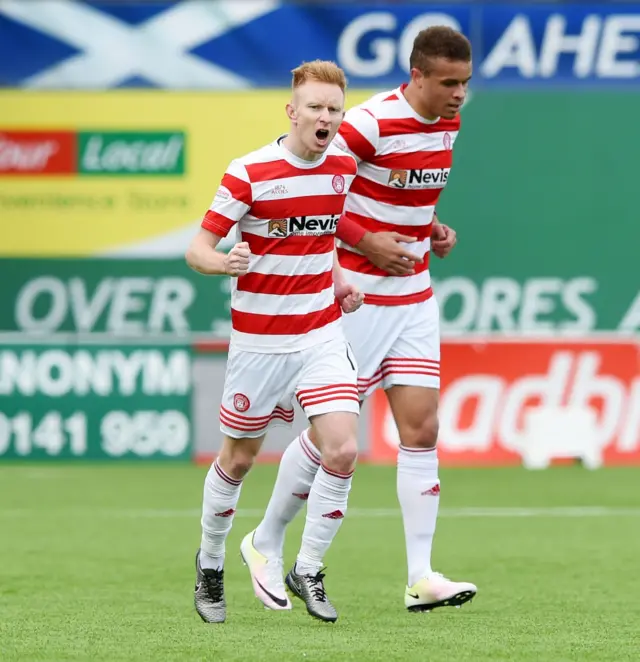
[(446, 141), (338, 183), (398, 178), (241, 402), (277, 227)]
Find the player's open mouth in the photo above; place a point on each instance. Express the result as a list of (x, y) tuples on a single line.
[(322, 134)]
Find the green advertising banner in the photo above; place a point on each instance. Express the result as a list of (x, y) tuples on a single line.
[(542, 195), (163, 299), (132, 298), (98, 402)]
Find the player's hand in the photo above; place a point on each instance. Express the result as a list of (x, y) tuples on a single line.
[(349, 296), (443, 239), (236, 262), (385, 250)]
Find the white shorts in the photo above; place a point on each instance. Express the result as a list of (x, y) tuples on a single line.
[(259, 388), (395, 345)]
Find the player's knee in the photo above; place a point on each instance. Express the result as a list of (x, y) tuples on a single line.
[(424, 435), (241, 463), (341, 455), (237, 460)]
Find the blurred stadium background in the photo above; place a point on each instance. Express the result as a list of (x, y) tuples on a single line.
[(117, 120)]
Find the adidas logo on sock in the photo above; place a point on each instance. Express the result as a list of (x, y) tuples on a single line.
[(301, 495), (226, 513), (336, 514), (433, 491)]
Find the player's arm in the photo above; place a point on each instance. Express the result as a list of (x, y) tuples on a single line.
[(203, 257), (443, 238), (232, 201), (381, 248), (349, 296)]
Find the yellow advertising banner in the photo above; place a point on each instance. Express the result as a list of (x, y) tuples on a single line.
[(121, 172)]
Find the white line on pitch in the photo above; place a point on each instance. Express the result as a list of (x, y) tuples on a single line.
[(356, 513)]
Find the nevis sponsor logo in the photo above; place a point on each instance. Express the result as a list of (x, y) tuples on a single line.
[(303, 225), (91, 153), (413, 179)]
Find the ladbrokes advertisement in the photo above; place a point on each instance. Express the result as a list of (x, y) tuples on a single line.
[(121, 173), (489, 389)]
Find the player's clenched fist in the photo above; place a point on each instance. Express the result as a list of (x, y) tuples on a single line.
[(349, 296), (236, 262), (352, 302)]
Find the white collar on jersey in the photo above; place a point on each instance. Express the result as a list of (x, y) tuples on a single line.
[(409, 107), (289, 156)]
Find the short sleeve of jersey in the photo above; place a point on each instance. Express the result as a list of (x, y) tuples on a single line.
[(358, 134), (231, 202)]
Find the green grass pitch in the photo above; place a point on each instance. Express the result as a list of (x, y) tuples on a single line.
[(96, 563)]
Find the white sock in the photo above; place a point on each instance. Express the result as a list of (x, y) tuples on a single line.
[(221, 493), (326, 509), (298, 467), (419, 496)]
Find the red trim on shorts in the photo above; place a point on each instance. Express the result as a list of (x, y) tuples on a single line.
[(252, 428), (409, 370), (400, 366), (236, 422), (366, 386), (256, 419), (315, 396), (400, 359), (324, 389), (338, 397), (399, 362)]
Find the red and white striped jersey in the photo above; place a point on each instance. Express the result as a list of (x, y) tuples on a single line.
[(403, 165), (287, 210)]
